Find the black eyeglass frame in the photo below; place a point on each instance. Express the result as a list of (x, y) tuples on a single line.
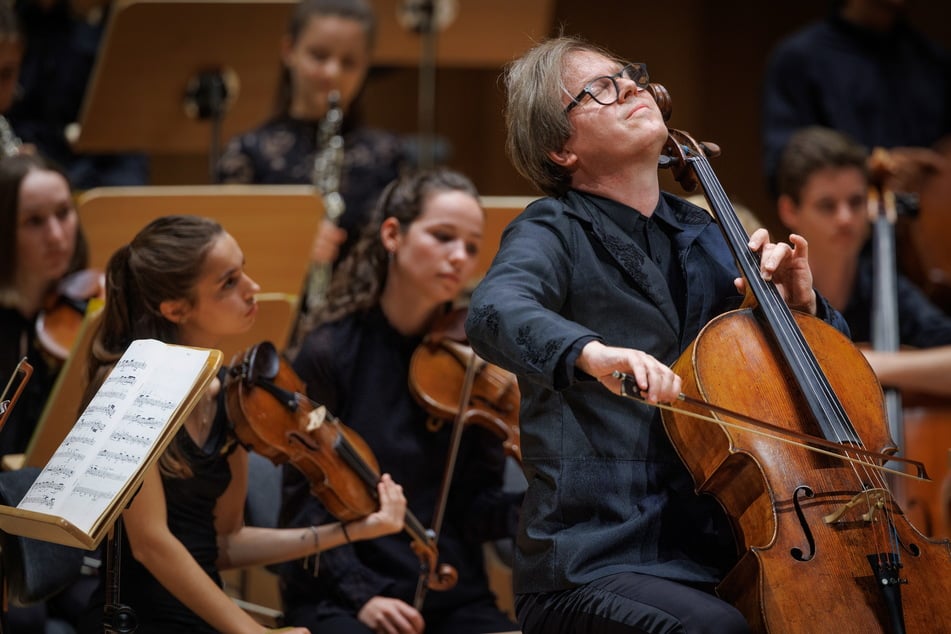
[(638, 76)]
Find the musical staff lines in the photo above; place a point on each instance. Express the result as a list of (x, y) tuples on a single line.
[(115, 436)]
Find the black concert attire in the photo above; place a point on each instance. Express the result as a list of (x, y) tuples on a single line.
[(881, 89), (282, 152), (612, 537), (190, 505), (18, 340), (358, 367), (921, 324)]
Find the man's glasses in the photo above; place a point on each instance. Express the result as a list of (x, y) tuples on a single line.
[(605, 90)]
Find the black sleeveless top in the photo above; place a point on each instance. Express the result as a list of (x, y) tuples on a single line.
[(190, 504)]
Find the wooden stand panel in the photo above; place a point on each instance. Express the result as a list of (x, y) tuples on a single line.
[(152, 49), (275, 225)]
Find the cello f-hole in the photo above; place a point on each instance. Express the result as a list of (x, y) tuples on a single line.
[(797, 553)]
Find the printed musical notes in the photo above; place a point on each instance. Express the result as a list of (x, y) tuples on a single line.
[(127, 423)]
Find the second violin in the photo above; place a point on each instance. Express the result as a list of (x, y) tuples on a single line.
[(437, 375)]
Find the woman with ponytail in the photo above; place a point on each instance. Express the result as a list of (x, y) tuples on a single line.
[(182, 280)]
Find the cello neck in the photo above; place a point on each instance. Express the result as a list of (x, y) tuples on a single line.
[(772, 311), (883, 213)]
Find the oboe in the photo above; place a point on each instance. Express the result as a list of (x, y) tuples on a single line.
[(328, 167)]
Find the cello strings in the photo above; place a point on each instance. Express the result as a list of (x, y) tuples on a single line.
[(802, 362)]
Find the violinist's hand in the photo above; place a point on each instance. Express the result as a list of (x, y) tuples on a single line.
[(288, 630), (391, 516), (787, 265), (657, 382), (327, 243), (385, 615)]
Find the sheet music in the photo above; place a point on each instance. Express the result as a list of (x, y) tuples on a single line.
[(115, 433)]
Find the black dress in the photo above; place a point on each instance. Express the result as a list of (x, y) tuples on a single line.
[(190, 505)]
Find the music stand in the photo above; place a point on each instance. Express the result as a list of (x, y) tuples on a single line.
[(218, 59)]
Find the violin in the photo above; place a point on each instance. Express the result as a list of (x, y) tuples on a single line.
[(265, 400), (452, 383), (821, 537), (61, 317), (926, 185), (437, 374)]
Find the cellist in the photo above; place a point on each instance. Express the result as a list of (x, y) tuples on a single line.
[(608, 273), (823, 184)]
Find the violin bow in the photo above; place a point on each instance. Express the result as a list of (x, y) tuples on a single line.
[(23, 369), (456, 439)]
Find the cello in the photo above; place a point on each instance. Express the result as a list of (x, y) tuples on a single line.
[(921, 423), (827, 519)]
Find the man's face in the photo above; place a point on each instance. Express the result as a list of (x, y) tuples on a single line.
[(832, 214)]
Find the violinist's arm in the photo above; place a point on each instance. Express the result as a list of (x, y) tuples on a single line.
[(925, 370), (155, 547), (240, 545), (350, 577)]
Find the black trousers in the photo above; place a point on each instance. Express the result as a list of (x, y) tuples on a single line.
[(628, 603), (481, 617)]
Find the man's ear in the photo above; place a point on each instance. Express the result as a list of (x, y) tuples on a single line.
[(788, 212), (564, 158), (175, 310)]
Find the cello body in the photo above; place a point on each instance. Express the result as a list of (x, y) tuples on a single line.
[(927, 437), (797, 572), (823, 544)]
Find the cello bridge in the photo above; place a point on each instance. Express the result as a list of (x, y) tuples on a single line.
[(872, 499)]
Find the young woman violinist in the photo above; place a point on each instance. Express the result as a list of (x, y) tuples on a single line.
[(181, 280), (400, 278), (40, 244)]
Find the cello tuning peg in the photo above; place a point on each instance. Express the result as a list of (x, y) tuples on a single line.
[(710, 149)]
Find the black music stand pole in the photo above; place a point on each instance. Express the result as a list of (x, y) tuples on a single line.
[(116, 618)]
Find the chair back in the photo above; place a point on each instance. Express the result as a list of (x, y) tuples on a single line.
[(275, 225)]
